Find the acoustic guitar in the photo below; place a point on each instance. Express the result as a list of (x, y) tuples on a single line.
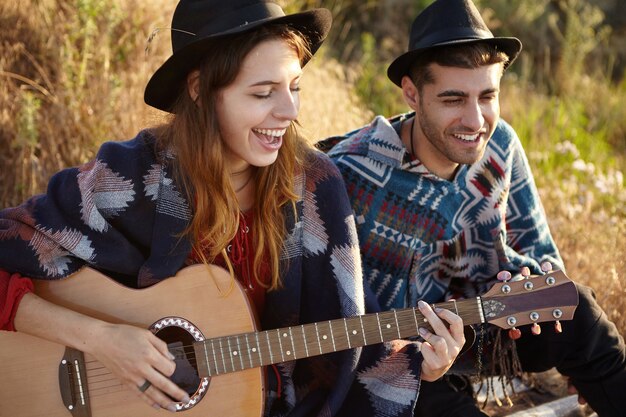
[(212, 333)]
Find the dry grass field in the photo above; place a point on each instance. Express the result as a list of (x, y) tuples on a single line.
[(72, 76)]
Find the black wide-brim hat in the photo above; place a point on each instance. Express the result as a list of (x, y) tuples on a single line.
[(445, 23), (197, 23)]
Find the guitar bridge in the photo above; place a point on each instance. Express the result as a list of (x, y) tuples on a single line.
[(73, 383)]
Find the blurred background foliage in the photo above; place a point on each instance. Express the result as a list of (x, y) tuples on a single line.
[(566, 95), (72, 74)]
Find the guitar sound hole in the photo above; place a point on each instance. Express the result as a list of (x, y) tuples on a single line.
[(180, 344)]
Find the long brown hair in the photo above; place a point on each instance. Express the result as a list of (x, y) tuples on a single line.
[(194, 136)]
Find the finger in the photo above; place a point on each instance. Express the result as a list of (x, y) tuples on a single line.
[(433, 319), (165, 386), (160, 399), (455, 324), (546, 266), (163, 366), (434, 364), (164, 362), (146, 396), (430, 317), (437, 344)]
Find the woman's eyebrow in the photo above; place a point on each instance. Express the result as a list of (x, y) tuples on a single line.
[(265, 82)]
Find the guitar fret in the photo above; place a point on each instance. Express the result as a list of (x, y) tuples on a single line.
[(215, 358), (230, 354), (318, 339), (293, 345), (345, 324), (456, 308), (269, 347), (332, 335), (222, 353), (258, 346), (306, 347), (206, 358), (417, 326), (380, 329), (363, 331), (280, 344), (239, 353), (395, 315), (249, 355)]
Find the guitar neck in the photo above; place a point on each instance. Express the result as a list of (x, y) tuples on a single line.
[(250, 350)]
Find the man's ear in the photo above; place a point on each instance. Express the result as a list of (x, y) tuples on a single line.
[(410, 92), (193, 85)]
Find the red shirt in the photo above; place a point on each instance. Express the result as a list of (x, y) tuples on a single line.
[(12, 289), (241, 254)]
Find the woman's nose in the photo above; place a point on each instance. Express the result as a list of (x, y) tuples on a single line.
[(288, 106)]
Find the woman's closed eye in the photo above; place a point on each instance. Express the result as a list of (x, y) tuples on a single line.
[(268, 94)]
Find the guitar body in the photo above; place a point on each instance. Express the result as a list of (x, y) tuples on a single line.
[(205, 319), (31, 380)]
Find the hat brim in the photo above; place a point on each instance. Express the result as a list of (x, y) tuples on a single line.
[(401, 65), (167, 82)]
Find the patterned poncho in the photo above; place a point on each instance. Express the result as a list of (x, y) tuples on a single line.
[(423, 237), (123, 214)]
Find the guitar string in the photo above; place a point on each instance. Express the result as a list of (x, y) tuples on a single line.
[(99, 382), (404, 320)]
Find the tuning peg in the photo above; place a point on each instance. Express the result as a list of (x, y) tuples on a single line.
[(535, 329), (546, 267), (503, 276), (557, 327), (525, 271), (515, 333)]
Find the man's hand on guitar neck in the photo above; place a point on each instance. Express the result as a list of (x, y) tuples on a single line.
[(441, 348)]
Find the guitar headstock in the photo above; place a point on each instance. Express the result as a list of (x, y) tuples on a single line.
[(536, 299)]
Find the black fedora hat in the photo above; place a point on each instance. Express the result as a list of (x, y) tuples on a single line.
[(444, 23), (196, 23)]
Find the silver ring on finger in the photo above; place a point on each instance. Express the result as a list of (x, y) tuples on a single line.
[(143, 387)]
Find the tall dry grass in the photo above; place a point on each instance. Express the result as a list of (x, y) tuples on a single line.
[(72, 74)]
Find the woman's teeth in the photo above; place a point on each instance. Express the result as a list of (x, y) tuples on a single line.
[(271, 132)]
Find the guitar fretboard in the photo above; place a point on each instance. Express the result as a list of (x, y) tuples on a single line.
[(251, 350)]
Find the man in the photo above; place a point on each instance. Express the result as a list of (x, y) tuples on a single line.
[(444, 199)]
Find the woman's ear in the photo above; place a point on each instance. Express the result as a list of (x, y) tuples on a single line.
[(410, 92), (193, 85)]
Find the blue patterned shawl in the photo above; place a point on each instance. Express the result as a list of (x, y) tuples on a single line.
[(426, 238)]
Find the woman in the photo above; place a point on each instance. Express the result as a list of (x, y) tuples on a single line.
[(228, 181)]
